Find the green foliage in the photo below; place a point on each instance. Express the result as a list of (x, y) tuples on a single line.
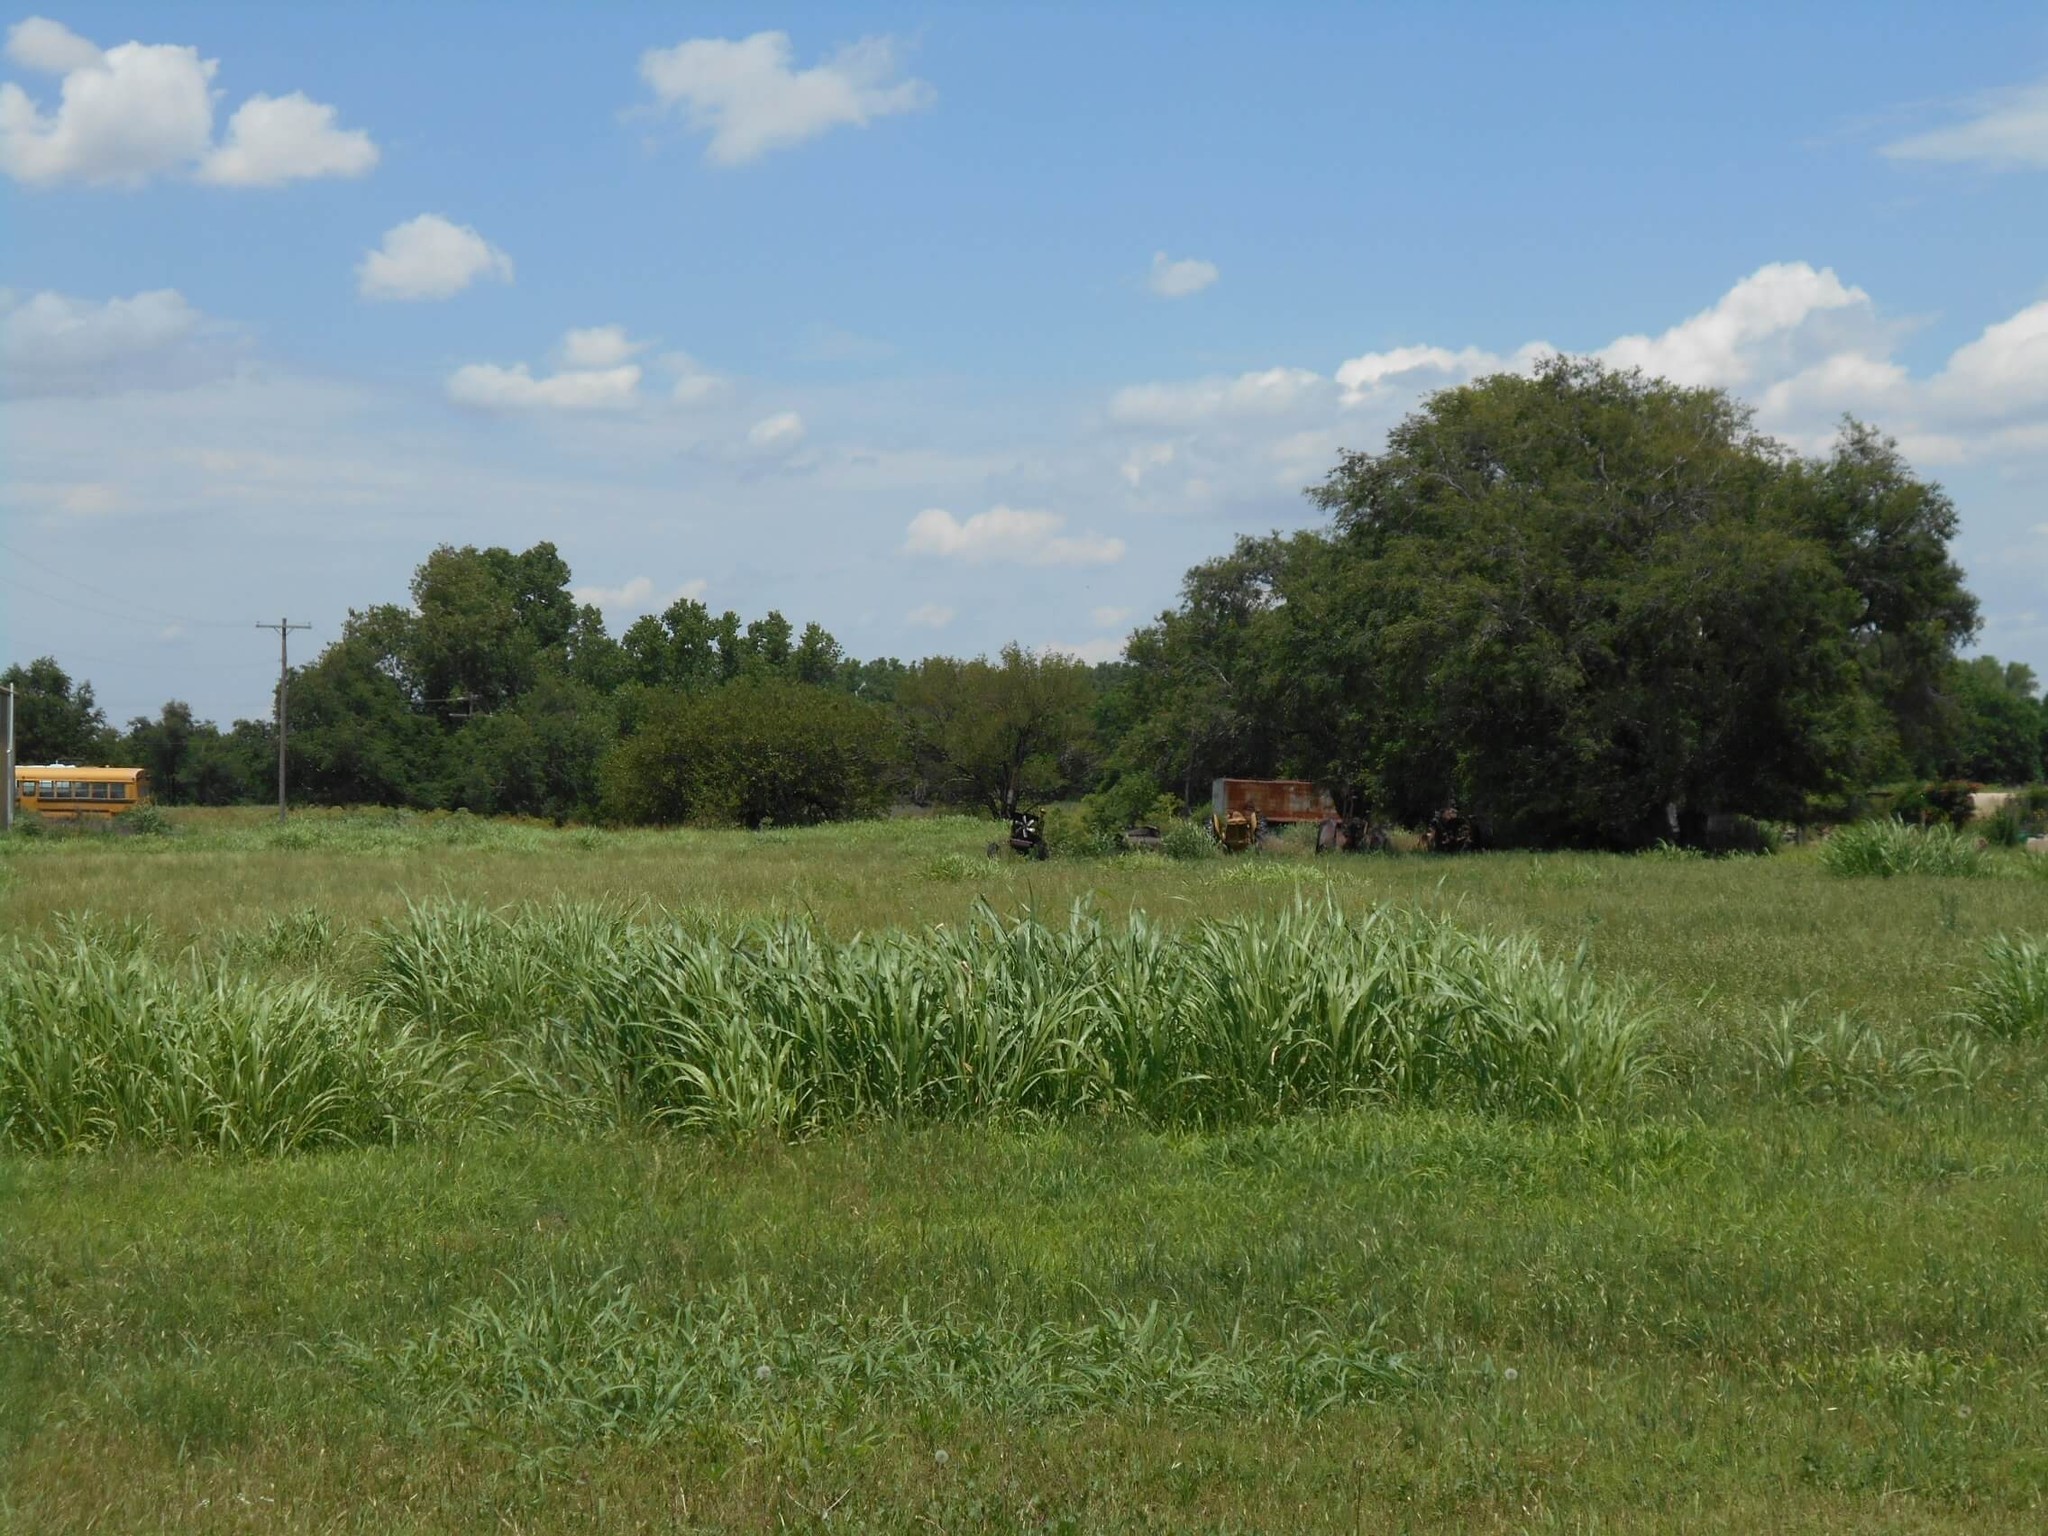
[(1579, 603), (582, 1360), (1846, 1059), (103, 1043), (755, 752), (1946, 804), (148, 821), (772, 1027), (1998, 726), (55, 720), (1003, 735), (2008, 996), (1185, 838), (1886, 848)]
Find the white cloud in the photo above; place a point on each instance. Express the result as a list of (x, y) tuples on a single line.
[(1178, 279), (127, 114), (429, 258), (1007, 535), (599, 346), (636, 595), (275, 139), (749, 99), (1094, 652), (2007, 130), (50, 48), (930, 616), (605, 382), (53, 344), (1764, 323), (1108, 618), (2004, 371), (783, 430), (1372, 375), (694, 383), (1270, 392), (1143, 459)]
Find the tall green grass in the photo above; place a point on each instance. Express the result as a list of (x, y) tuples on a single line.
[(592, 1016), (772, 1026), (2009, 994), (103, 1042), (1888, 848)]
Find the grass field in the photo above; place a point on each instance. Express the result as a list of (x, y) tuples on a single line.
[(1792, 1273)]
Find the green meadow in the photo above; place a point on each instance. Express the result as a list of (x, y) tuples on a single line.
[(392, 1173)]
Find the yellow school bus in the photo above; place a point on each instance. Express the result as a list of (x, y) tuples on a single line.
[(65, 792)]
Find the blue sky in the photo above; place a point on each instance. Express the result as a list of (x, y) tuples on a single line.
[(941, 325)]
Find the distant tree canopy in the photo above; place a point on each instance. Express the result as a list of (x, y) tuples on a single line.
[(55, 720), (1590, 607)]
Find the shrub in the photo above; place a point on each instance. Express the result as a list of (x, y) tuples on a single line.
[(1948, 802), (2005, 827), (1887, 848), (1186, 838), (2009, 994)]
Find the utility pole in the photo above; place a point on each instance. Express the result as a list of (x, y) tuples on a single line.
[(7, 757), (284, 628)]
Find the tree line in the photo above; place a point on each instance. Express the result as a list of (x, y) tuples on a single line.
[(1590, 607)]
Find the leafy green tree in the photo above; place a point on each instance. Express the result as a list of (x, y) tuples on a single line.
[(1999, 723), (359, 736), (757, 751), (1590, 606), (1000, 734), (55, 720)]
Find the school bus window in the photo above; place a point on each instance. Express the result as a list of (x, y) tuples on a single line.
[(45, 787), (117, 791)]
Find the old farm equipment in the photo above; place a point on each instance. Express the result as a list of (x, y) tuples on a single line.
[(1241, 810), (1026, 839)]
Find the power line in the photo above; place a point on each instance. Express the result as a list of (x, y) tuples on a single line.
[(162, 614)]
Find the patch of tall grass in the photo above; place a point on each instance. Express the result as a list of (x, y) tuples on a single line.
[(591, 1360), (772, 1026), (103, 1042), (1885, 848), (2008, 996)]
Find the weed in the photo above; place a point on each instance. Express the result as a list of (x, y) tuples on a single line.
[(1889, 848), (2008, 996)]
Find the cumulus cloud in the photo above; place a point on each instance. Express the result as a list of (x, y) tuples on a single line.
[(2003, 130), (1179, 279), (599, 346), (1270, 392), (429, 258), (54, 344), (1008, 536), (746, 95), (636, 595), (595, 376), (1108, 618), (930, 616), (776, 433), (1762, 325), (127, 114)]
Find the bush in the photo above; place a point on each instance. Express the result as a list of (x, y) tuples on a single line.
[(2005, 827), (1887, 848), (1187, 838), (1948, 803), (150, 820)]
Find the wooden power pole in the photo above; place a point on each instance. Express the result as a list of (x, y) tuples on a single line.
[(284, 627)]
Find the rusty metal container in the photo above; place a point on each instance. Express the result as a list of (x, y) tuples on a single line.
[(1271, 800)]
